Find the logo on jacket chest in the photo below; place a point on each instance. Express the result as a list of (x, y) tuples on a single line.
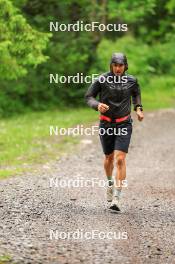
[(117, 87)]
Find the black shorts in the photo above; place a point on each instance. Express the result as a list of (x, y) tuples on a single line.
[(115, 136)]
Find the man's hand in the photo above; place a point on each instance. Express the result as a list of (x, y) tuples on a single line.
[(140, 114), (103, 108)]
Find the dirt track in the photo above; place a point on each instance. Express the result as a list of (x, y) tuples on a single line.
[(30, 208)]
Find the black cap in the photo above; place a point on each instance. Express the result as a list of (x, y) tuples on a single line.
[(119, 58)]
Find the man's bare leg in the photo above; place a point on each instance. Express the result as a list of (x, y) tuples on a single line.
[(120, 157), (109, 165)]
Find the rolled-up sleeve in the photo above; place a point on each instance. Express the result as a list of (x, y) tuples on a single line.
[(91, 95), (136, 95)]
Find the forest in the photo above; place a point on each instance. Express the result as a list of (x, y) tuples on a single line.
[(30, 52)]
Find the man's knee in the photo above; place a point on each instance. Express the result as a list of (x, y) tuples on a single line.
[(120, 159), (109, 158)]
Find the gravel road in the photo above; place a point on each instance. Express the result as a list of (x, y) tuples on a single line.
[(39, 220)]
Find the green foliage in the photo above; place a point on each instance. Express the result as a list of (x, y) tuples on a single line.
[(25, 67), (144, 60), (152, 65), (20, 44), (131, 11)]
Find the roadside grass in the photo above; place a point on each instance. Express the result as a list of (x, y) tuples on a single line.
[(25, 141), (5, 259), (159, 93)]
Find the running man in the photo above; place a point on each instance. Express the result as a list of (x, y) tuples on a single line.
[(115, 90)]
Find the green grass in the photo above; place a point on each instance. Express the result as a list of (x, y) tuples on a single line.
[(159, 93), (25, 140), (5, 259)]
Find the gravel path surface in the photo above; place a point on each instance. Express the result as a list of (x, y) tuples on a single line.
[(32, 213)]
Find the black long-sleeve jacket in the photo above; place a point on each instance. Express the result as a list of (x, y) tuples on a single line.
[(116, 95)]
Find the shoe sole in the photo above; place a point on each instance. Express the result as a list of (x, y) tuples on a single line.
[(115, 208)]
